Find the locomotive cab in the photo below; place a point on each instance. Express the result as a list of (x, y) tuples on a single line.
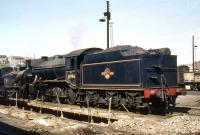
[(71, 70), (73, 62)]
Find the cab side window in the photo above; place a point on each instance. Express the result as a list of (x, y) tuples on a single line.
[(71, 63)]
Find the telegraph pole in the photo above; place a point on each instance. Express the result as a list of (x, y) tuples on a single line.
[(107, 14), (108, 22), (193, 53)]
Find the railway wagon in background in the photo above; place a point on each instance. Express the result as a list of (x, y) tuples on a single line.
[(192, 80), (186, 78), (180, 74)]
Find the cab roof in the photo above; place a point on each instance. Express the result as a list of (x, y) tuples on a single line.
[(83, 51)]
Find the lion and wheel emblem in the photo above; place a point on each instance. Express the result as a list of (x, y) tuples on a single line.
[(107, 73)]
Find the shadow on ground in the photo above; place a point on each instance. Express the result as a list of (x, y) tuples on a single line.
[(182, 109)]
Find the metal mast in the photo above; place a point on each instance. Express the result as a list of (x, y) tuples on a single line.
[(108, 20), (193, 53), (107, 14)]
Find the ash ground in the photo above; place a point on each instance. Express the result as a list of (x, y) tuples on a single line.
[(184, 120)]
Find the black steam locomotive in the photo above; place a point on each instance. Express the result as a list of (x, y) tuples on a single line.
[(127, 75), (4, 71), (9, 80)]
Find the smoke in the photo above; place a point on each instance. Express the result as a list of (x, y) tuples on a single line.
[(76, 36), (196, 33)]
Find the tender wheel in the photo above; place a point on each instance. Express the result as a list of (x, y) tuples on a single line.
[(71, 99), (92, 97)]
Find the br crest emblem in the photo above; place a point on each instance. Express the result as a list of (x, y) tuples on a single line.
[(107, 73)]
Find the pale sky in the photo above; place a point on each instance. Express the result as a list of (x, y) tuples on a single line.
[(49, 27)]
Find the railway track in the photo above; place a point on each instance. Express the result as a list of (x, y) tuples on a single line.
[(120, 121), (75, 112), (94, 115), (189, 110)]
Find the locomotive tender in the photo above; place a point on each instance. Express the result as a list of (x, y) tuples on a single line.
[(129, 76)]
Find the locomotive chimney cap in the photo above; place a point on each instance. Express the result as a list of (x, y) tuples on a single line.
[(44, 58)]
